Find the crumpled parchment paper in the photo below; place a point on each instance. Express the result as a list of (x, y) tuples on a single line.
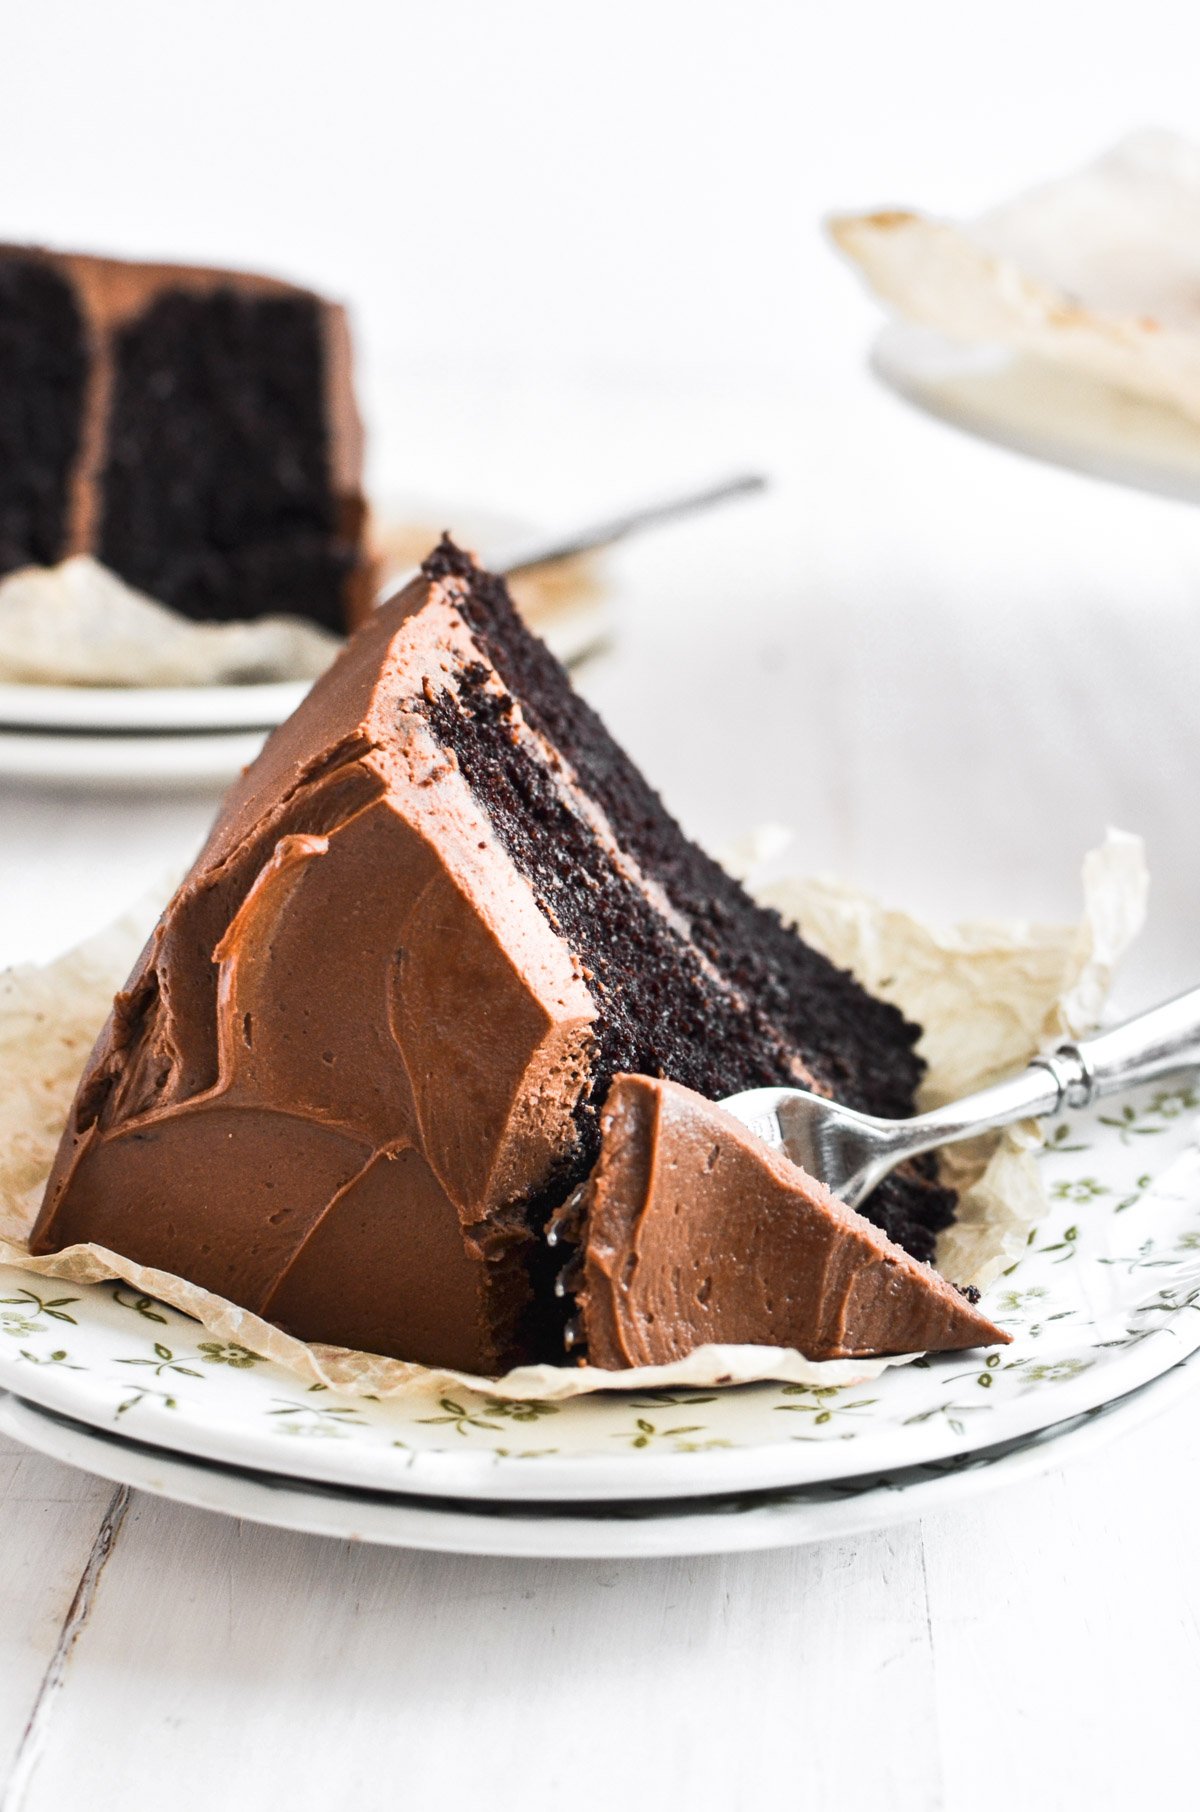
[(78, 624), (1099, 271), (988, 996)]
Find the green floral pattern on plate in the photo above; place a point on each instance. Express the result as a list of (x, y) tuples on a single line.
[(1105, 1296)]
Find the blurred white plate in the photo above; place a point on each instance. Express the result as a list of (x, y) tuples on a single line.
[(146, 709), (573, 630), (571, 626), (85, 761), (1042, 410), (181, 736)]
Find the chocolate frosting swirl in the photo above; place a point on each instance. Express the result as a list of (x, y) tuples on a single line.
[(692, 1231), (289, 1104)]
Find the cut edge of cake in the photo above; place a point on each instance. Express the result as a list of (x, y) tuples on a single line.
[(691, 1231)]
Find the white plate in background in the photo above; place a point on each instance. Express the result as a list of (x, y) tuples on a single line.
[(177, 737), (185, 736), (142, 763), (1042, 410), (135, 710), (140, 710), (406, 530)]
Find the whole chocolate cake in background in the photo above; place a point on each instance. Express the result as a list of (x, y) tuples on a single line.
[(364, 1056), (195, 430)]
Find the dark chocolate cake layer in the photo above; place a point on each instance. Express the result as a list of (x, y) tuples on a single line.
[(856, 1048), (43, 379), (195, 430), (364, 1055)]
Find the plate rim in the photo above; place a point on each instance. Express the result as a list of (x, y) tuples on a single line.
[(900, 350), (207, 759), (521, 1534), (161, 710), (564, 1478), (572, 631)]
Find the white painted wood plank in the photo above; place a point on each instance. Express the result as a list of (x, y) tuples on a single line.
[(49, 1519), (314, 1673), (1066, 1626)]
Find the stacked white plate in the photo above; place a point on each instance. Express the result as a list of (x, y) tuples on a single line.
[(201, 736), (175, 736), (152, 736), (1103, 1306)]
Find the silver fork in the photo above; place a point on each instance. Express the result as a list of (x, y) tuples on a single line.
[(853, 1152), (548, 550)]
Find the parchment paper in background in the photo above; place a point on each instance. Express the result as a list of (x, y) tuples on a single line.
[(1099, 271), (987, 994), (405, 530), (79, 624)]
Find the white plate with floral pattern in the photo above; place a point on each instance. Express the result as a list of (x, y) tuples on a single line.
[(1105, 1297), (737, 1523)]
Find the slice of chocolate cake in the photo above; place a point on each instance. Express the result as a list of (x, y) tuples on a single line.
[(195, 430), (690, 1231), (364, 1054)]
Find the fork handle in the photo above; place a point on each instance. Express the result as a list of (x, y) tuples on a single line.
[(1160, 1042)]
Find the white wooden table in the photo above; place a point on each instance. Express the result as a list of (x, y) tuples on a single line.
[(948, 670)]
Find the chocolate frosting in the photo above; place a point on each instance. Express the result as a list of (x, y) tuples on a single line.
[(289, 1104), (692, 1231), (350, 1070)]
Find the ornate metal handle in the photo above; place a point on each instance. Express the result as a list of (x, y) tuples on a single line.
[(1160, 1042)]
